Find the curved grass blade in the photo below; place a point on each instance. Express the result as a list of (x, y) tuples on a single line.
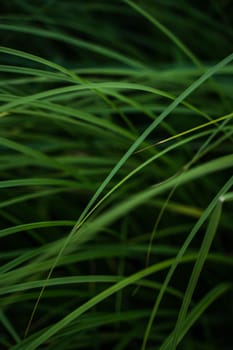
[(181, 252), (166, 32), (196, 313), (202, 256)]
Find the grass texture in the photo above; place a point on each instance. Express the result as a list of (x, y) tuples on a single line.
[(116, 181)]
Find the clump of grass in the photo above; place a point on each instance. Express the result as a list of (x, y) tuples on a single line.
[(116, 175)]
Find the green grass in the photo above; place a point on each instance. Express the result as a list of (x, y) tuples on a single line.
[(116, 158)]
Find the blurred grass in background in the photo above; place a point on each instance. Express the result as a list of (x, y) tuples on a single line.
[(116, 175)]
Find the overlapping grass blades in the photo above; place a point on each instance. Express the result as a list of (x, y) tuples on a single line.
[(115, 175)]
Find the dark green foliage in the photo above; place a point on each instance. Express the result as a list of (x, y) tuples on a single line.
[(116, 175)]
